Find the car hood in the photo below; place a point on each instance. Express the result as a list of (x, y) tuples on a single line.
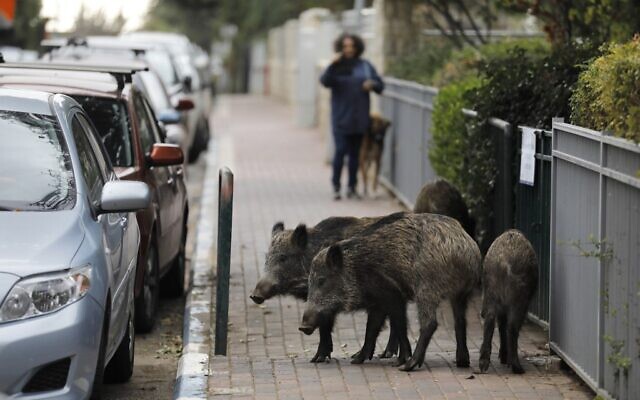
[(33, 242)]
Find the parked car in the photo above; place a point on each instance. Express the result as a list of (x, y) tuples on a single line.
[(160, 60), (68, 251), (128, 129), (187, 59)]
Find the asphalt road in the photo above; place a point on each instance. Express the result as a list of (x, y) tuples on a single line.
[(157, 353)]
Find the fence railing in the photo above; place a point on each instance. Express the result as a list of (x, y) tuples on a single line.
[(595, 247), (532, 217)]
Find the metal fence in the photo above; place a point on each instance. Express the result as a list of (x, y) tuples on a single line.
[(405, 165), (595, 249), (532, 217)]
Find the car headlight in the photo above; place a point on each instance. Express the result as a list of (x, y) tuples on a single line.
[(45, 294)]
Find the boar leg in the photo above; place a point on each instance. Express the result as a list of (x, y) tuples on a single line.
[(459, 306), (502, 328), (485, 349), (417, 359), (392, 346), (375, 321), (514, 323), (398, 321), (325, 347)]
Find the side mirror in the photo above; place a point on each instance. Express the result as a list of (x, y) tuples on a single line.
[(164, 154), (184, 104), (124, 196), (169, 117), (186, 84)]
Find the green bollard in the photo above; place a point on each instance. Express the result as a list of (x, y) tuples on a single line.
[(225, 214)]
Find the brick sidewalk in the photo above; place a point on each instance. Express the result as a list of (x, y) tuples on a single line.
[(280, 176)]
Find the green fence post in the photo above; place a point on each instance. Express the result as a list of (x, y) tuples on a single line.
[(225, 214)]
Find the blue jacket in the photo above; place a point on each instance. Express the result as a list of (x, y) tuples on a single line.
[(350, 103)]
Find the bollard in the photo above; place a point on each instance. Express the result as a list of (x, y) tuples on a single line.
[(225, 214)]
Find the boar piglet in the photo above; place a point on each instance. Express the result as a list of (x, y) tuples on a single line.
[(419, 257), (441, 197), (288, 262), (510, 278)]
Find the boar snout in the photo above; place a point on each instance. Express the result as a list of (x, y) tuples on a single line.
[(309, 322), (264, 290)]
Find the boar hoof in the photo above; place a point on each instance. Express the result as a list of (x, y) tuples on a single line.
[(517, 369), (410, 365), (463, 362), (358, 358), (320, 358), (399, 361), (484, 364), (387, 354), (356, 355)]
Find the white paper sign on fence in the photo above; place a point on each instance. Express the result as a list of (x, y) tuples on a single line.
[(527, 159)]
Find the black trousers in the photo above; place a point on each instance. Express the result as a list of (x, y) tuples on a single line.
[(346, 146)]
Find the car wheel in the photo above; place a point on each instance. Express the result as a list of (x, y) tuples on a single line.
[(173, 282), (200, 142), (120, 367), (147, 301), (98, 377)]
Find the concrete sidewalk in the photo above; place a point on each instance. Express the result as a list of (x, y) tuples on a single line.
[(280, 176)]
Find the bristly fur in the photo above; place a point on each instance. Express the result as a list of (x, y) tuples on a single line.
[(441, 197)]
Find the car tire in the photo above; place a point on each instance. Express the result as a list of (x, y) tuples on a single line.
[(120, 367), (173, 281), (147, 301), (200, 142), (98, 377)]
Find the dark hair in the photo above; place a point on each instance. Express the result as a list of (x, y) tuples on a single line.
[(357, 42)]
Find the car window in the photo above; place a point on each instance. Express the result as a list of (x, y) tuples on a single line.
[(36, 172), (145, 126), (162, 64), (155, 91), (98, 149), (111, 119), (157, 135), (88, 161)]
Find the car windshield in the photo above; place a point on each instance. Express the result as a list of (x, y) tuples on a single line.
[(162, 64), (111, 120), (35, 165)]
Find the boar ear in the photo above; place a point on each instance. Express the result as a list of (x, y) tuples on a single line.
[(277, 227), (334, 256), (299, 236)]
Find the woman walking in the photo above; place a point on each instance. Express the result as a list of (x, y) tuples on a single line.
[(350, 79)]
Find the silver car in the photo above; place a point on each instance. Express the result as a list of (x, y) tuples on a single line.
[(68, 249)]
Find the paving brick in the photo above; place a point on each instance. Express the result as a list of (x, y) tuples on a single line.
[(280, 175)]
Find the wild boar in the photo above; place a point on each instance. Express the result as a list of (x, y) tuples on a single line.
[(415, 257), (287, 269), (510, 279)]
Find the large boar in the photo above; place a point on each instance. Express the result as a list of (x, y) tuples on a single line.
[(287, 269), (510, 278), (417, 257), (441, 197)]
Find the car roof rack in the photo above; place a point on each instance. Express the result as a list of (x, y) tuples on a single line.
[(97, 43), (122, 72)]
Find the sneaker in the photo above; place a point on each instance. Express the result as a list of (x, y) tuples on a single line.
[(336, 195), (353, 194)]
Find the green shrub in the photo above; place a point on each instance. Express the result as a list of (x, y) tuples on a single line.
[(607, 96), (449, 131), (522, 82)]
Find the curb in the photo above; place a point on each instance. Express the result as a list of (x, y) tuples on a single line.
[(193, 367)]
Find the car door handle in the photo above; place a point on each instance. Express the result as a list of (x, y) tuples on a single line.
[(124, 222)]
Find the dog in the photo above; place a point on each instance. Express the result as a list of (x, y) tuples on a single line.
[(371, 149)]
